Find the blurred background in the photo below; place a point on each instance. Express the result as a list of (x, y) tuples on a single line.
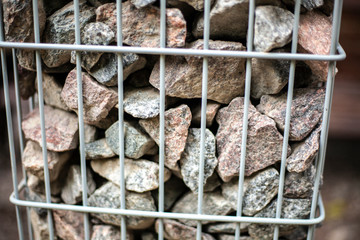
[(341, 190)]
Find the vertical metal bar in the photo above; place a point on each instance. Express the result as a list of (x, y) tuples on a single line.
[(31, 103), (162, 116), (326, 112), (121, 115), (42, 118), (21, 136), (287, 118), (81, 120), (250, 39)]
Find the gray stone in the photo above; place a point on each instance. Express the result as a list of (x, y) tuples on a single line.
[(26, 59), (190, 160), (90, 133), (264, 142), (60, 29), (300, 185), (38, 186), (69, 225), (212, 183), (52, 92), (106, 71), (142, 102), (72, 190), (177, 231), (98, 100), (226, 227), (273, 28), (33, 161), (108, 232), (306, 110), (177, 123), (258, 191), (291, 209), (37, 197), (142, 3), (39, 225), (300, 233), (137, 143), (213, 204), (211, 110), (61, 129), (140, 175), (98, 149), (141, 26), (108, 196), (308, 4), (183, 75), (97, 33)]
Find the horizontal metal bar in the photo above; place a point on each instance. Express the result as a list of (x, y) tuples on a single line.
[(169, 215), (177, 51)]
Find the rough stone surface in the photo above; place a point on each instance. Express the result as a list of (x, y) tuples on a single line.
[(177, 231), (232, 237), (177, 123), (39, 225), (264, 142), (142, 102), (211, 110), (273, 28), (108, 196), (61, 129), (26, 59), (33, 161), (98, 149), (52, 92), (90, 133), (258, 191), (60, 29), (148, 236), (38, 186), (69, 225), (137, 143), (197, 4), (212, 183), (97, 99), (141, 27), (183, 75), (315, 38), (300, 185), (308, 4), (306, 110), (304, 153), (190, 160), (93, 34), (291, 208), (26, 82), (142, 3), (140, 175), (213, 204), (226, 228), (105, 71), (300, 233), (108, 232), (72, 190)]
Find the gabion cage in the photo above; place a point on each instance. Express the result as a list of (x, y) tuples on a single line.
[(317, 214)]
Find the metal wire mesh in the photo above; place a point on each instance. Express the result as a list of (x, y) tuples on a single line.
[(336, 53)]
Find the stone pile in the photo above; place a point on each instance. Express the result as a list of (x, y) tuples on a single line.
[(183, 76)]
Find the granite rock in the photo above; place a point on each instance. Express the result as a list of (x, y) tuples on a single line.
[(52, 92), (153, 151), (39, 225), (177, 123), (26, 82), (72, 190), (61, 129), (140, 175), (108, 196), (108, 232), (307, 4), (300, 233), (98, 149), (97, 33), (33, 161), (291, 209), (213, 204), (26, 59), (197, 4), (142, 102), (273, 28), (190, 160), (300, 185), (258, 191), (232, 237), (97, 99), (212, 183), (38, 186), (69, 225), (264, 142), (60, 29), (137, 143), (225, 227), (177, 231), (105, 71), (142, 3), (141, 26), (306, 110), (211, 110), (315, 38), (90, 133), (183, 75)]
